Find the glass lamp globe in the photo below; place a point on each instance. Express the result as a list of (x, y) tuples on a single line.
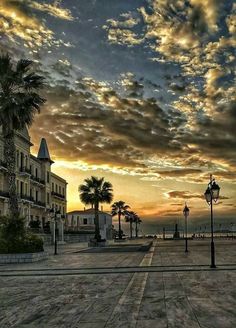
[(208, 195), (186, 211), (215, 191), (51, 213)]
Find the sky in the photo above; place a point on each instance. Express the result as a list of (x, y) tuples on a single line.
[(139, 92)]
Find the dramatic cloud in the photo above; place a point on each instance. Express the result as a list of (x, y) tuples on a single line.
[(144, 92), (19, 23)]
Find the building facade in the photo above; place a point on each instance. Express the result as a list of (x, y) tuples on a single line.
[(39, 189), (84, 221)]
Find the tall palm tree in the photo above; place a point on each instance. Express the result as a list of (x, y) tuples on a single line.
[(137, 221), (19, 102), (130, 217), (95, 191), (119, 208)]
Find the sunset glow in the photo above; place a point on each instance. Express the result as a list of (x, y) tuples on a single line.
[(140, 92)]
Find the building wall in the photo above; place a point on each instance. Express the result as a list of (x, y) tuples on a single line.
[(34, 182), (84, 220)]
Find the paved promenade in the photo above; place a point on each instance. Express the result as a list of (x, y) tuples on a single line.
[(161, 288)]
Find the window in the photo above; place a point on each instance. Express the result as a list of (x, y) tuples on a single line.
[(56, 188), (36, 195), (53, 186), (59, 189), (36, 172), (21, 188), (47, 177), (21, 160), (47, 197), (63, 191), (85, 221), (17, 158)]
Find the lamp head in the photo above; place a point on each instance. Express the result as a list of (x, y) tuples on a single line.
[(215, 189), (58, 215), (186, 210), (208, 195), (51, 213)]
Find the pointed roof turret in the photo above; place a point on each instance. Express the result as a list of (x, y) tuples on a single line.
[(43, 151)]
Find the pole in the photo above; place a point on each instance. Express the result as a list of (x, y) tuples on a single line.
[(55, 243), (212, 236), (186, 234), (119, 215)]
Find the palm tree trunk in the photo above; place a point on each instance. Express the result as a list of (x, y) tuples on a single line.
[(131, 230), (120, 236), (97, 229), (10, 158), (136, 229)]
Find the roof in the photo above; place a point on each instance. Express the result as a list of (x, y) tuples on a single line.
[(43, 151), (88, 211), (54, 175)]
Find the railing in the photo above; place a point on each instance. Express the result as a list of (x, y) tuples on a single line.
[(38, 202), (26, 197), (36, 179), (24, 169), (56, 194)]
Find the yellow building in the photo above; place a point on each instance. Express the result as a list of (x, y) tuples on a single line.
[(38, 188)]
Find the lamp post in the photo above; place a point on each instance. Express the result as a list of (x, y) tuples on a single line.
[(186, 214), (56, 215), (212, 193)]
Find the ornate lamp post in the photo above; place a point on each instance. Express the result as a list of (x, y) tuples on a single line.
[(186, 214), (56, 216), (212, 193)]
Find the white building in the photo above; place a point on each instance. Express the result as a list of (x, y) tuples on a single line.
[(84, 221)]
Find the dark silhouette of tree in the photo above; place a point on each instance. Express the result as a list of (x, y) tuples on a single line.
[(120, 209), (130, 217), (19, 102), (95, 191)]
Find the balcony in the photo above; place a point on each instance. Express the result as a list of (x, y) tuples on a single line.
[(57, 195), (26, 198), (4, 194), (37, 180), (24, 171), (38, 203)]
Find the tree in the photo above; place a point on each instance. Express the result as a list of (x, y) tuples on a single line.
[(95, 191), (19, 102), (137, 221), (130, 217), (120, 209)]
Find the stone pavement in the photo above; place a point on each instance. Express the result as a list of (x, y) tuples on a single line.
[(162, 288)]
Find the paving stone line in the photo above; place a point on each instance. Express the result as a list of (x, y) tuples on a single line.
[(132, 295), (96, 271)]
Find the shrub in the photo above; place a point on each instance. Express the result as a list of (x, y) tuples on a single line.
[(15, 239)]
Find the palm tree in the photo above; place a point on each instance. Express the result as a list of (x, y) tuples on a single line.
[(130, 217), (119, 208), (19, 102), (137, 221), (95, 191)]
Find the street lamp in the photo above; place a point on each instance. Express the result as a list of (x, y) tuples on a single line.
[(186, 214), (212, 193), (56, 215)]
